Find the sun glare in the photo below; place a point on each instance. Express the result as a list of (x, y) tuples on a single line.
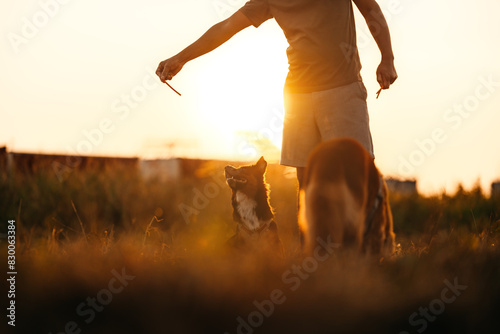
[(240, 97)]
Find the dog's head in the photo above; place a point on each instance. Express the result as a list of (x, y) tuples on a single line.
[(246, 178)]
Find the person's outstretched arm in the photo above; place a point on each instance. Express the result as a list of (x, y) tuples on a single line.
[(212, 39), (386, 72)]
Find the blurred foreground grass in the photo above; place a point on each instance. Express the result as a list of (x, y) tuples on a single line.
[(149, 257)]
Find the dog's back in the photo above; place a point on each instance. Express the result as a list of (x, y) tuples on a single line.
[(344, 198)]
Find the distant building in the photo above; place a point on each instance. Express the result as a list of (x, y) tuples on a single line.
[(162, 170), (495, 190), (403, 187), (62, 165), (172, 169), (3, 159)]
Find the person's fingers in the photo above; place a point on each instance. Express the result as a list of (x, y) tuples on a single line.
[(162, 71), (166, 74), (386, 83), (159, 70), (382, 80), (386, 75), (168, 69), (393, 78), (388, 80), (165, 71), (172, 71), (379, 80)]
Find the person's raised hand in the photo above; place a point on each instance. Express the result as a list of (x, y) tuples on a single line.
[(168, 68)]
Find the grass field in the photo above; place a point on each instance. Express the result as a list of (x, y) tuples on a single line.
[(109, 252)]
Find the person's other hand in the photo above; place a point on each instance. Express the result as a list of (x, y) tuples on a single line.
[(386, 74), (168, 68)]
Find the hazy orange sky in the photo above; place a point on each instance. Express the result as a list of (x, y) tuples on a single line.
[(78, 77)]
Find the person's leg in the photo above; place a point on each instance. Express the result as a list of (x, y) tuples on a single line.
[(300, 178), (343, 112), (300, 132), (300, 136)]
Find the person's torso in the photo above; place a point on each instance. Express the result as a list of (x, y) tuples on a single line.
[(322, 38)]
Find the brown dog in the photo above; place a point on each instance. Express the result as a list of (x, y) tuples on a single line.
[(344, 199), (251, 209)]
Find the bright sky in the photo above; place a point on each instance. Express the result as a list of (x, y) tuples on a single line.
[(78, 77)]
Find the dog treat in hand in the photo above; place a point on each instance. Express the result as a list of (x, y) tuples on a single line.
[(379, 91)]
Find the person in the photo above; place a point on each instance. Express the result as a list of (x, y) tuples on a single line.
[(324, 95)]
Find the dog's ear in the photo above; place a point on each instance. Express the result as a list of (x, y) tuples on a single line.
[(261, 164)]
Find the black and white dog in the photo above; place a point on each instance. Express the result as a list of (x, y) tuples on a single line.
[(251, 209)]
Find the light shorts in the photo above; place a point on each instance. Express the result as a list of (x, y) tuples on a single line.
[(311, 118)]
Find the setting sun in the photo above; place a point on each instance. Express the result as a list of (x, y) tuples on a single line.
[(239, 91)]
